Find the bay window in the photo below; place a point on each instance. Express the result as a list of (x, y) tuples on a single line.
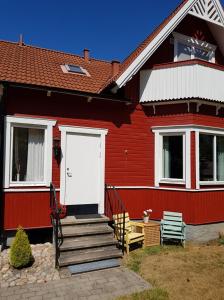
[(211, 158), (173, 157), (28, 151)]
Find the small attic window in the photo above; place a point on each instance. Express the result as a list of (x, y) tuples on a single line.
[(74, 69), (186, 48)]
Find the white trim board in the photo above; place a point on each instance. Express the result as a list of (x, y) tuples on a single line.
[(29, 190), (164, 188), (141, 59)]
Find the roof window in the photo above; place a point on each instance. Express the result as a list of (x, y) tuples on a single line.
[(74, 69)]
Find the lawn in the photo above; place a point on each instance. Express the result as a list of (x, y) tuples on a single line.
[(196, 272)]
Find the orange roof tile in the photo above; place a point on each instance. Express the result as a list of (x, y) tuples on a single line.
[(37, 66)]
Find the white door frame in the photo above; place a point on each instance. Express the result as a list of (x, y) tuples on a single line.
[(85, 130)]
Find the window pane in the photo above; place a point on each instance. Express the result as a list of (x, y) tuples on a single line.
[(184, 52), (206, 157), (28, 155), (220, 158), (173, 157), (201, 54)]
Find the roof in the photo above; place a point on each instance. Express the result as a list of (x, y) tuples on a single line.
[(210, 11), (127, 62), (37, 66)]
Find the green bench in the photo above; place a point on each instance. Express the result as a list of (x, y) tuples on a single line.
[(173, 227)]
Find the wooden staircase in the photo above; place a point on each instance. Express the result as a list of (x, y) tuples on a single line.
[(87, 244)]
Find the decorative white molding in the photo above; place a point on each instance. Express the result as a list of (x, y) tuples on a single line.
[(208, 10), (86, 130), (29, 121)]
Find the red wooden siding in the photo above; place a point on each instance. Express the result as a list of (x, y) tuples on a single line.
[(129, 156), (29, 209), (129, 145)]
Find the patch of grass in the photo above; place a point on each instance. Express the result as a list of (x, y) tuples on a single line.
[(136, 257), (194, 272), (221, 241), (153, 294)]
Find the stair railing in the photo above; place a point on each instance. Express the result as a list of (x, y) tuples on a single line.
[(55, 221), (115, 206)]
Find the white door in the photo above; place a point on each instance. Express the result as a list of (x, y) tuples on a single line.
[(82, 168)]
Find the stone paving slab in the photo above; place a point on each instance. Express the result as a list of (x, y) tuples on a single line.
[(98, 285)]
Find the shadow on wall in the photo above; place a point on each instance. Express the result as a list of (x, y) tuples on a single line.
[(67, 106)]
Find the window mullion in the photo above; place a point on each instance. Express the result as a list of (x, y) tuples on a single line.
[(214, 158)]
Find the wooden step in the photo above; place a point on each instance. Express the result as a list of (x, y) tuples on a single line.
[(94, 266), (84, 242), (71, 220), (79, 257), (77, 230)]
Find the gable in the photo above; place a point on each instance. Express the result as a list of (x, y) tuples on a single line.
[(210, 11)]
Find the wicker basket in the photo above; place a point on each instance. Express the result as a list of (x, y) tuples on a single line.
[(152, 234), (151, 231)]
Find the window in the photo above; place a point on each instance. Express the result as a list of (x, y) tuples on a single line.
[(28, 151), (173, 157), (27, 155), (74, 69), (172, 152), (211, 157), (186, 48)]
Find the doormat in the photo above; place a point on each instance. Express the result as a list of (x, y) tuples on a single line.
[(92, 216)]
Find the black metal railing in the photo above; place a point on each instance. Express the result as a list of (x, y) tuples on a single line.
[(115, 210), (56, 224)]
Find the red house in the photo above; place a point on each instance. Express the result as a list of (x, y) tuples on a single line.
[(152, 126)]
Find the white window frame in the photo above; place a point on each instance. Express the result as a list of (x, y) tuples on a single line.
[(168, 131), (193, 43), (215, 133), (23, 122)]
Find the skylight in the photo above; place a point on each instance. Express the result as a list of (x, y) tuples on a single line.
[(75, 69)]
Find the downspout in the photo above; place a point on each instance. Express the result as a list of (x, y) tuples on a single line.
[(2, 143)]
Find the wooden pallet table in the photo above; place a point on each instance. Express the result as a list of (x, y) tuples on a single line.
[(151, 232)]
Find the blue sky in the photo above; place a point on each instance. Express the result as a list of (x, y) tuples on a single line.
[(110, 29)]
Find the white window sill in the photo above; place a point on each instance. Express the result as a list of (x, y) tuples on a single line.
[(172, 181), (211, 182), (28, 184)]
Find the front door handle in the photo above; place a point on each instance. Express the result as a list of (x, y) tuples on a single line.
[(69, 174)]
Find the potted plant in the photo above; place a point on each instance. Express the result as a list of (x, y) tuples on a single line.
[(146, 215)]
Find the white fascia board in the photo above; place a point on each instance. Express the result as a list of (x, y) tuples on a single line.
[(154, 44)]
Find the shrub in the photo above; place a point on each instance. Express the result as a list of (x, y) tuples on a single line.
[(20, 251)]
